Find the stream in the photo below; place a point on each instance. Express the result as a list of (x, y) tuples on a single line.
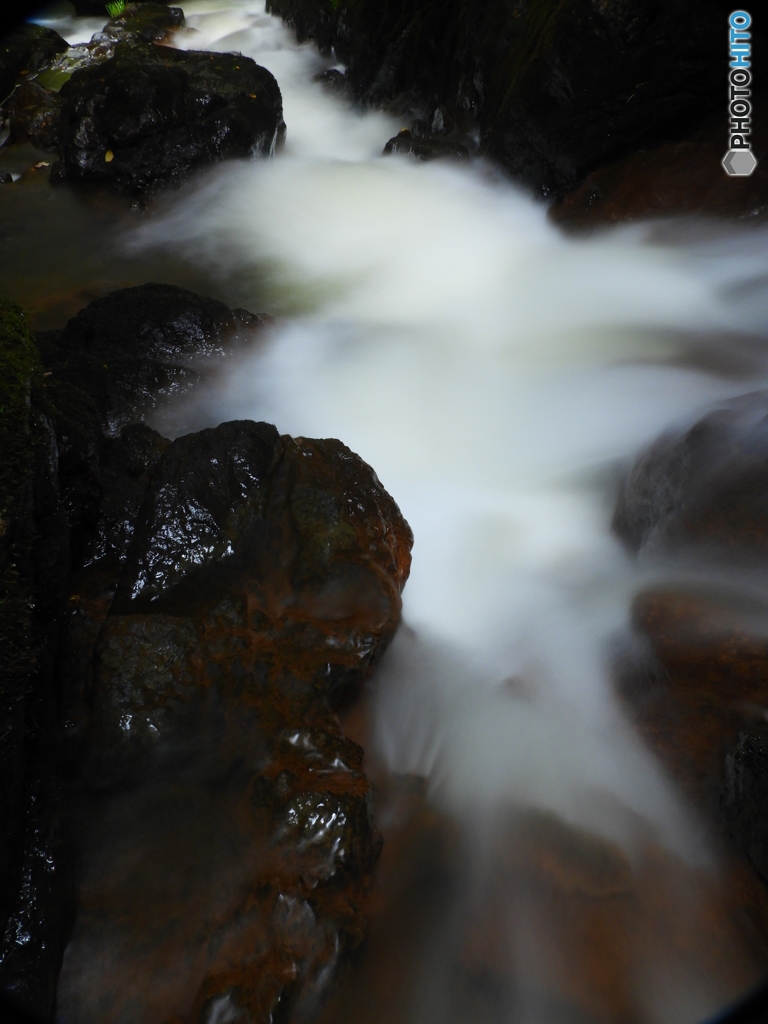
[(540, 865)]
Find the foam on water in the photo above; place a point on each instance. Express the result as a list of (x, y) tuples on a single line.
[(494, 373)]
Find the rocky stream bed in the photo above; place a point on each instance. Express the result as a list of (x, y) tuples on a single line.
[(192, 793)]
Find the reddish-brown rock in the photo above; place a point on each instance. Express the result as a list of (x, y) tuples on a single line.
[(673, 179), (228, 842), (697, 501)]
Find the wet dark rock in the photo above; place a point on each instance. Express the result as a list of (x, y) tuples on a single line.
[(124, 465), (206, 500), (297, 536), (705, 489), (26, 50), (677, 178), (558, 89), (745, 797), (262, 584), (333, 80), (206, 605), (33, 113), (698, 499), (136, 346), (143, 23), (138, 25), (111, 365), (149, 115), (425, 147)]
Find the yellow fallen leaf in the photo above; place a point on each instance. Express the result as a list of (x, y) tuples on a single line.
[(109, 156)]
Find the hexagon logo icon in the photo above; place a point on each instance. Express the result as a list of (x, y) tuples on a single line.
[(740, 162)]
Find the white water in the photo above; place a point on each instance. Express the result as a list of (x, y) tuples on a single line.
[(495, 374)]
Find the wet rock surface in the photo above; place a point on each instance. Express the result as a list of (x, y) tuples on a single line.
[(682, 178), (113, 363), (698, 500), (70, 494), (137, 25), (261, 586), (425, 147), (704, 489), (333, 81), (33, 115), (558, 89), (147, 117), (137, 346), (129, 115), (544, 915), (143, 23), (184, 796), (26, 50)]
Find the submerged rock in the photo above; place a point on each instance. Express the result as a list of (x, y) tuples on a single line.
[(26, 50), (698, 501), (425, 147), (148, 116), (704, 490), (334, 81)]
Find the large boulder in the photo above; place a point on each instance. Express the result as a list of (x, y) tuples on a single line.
[(149, 115), (69, 495), (208, 603), (261, 586), (110, 367), (25, 50), (33, 109)]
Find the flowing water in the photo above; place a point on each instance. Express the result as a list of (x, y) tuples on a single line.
[(498, 376)]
